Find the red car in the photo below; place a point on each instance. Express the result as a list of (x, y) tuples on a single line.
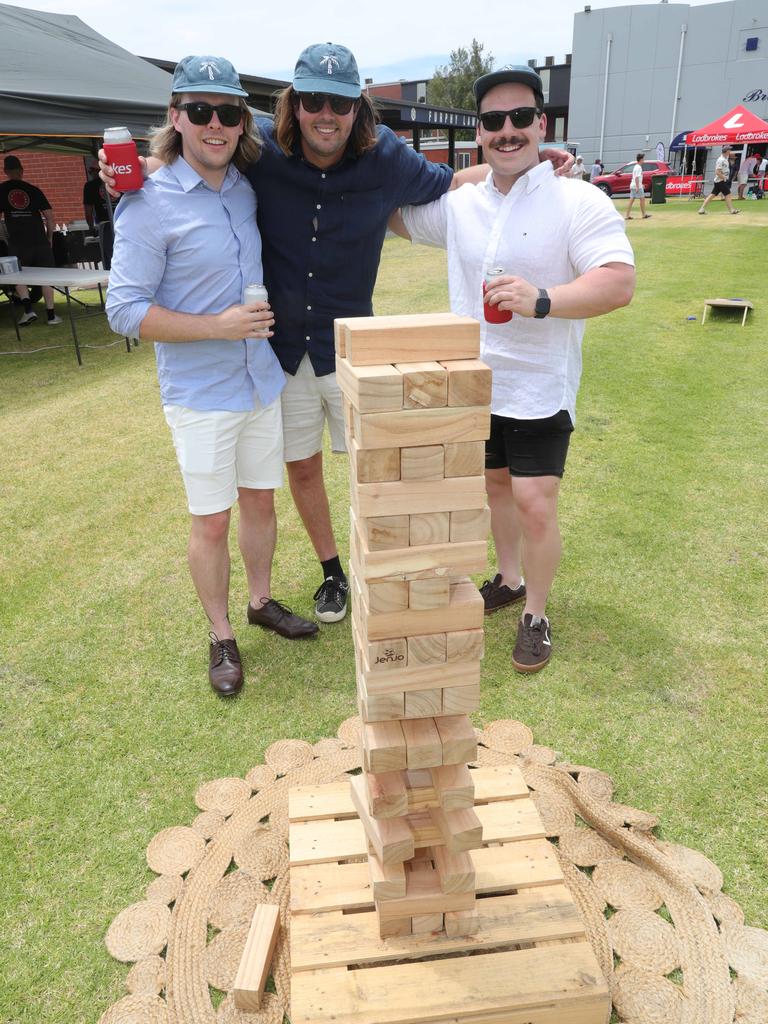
[(618, 182)]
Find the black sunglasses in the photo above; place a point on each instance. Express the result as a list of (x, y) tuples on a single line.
[(201, 113), (313, 102), (521, 117)]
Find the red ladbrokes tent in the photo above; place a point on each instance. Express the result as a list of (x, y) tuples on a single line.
[(739, 127)]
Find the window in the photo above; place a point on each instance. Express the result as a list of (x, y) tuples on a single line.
[(462, 160)]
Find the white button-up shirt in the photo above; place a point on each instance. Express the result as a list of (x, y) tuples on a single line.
[(548, 230)]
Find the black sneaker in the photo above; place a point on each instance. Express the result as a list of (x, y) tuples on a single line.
[(331, 599), (534, 643), (498, 595)]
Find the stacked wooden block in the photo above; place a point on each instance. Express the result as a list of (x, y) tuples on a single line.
[(417, 415)]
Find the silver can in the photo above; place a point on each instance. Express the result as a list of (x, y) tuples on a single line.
[(491, 275), (254, 293)]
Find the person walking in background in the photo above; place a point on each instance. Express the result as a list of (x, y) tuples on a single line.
[(722, 185), (636, 189), (595, 170), (29, 221), (186, 247), (745, 172)]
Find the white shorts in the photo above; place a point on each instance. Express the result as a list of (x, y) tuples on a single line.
[(307, 402), (219, 452), (636, 193)]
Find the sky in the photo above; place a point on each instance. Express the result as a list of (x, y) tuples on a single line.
[(390, 39)]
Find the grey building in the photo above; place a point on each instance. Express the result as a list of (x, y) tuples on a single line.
[(643, 74)]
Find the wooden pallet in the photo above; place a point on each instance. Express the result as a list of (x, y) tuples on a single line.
[(529, 962)]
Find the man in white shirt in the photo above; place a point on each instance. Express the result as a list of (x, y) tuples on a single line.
[(566, 257), (596, 170), (636, 190), (746, 171), (722, 185), (578, 170)]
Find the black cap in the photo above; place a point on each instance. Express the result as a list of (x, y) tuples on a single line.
[(520, 73), (11, 163)]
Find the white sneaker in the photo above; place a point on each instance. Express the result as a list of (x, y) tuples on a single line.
[(27, 318), (52, 321)]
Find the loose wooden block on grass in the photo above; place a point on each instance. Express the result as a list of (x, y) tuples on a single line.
[(257, 957), (424, 463), (425, 385)]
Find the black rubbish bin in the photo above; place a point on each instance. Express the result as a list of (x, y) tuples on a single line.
[(659, 188)]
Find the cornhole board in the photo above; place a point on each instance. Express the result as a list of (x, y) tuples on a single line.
[(529, 962), (710, 304)]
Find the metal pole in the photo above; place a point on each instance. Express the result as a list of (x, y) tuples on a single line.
[(683, 31), (605, 94)]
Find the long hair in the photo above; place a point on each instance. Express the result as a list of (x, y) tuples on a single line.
[(166, 142), (287, 131)]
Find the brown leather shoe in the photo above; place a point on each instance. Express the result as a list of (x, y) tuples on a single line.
[(279, 618), (225, 671)]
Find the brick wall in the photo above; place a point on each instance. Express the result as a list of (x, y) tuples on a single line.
[(60, 176)]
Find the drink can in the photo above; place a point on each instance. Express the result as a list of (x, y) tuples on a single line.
[(492, 314), (254, 293), (124, 157)]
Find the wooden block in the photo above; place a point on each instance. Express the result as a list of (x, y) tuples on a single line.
[(458, 739), (384, 747), (424, 677), (425, 385), (461, 830), (385, 532), (387, 880), (256, 960), (340, 337), (387, 655), (394, 929), (470, 524), (430, 426), (469, 382), (398, 339), (465, 458), (422, 742), (461, 700), (349, 420), (465, 645), (374, 465), (427, 924), (371, 388), (465, 609), (391, 838), (463, 923), (453, 786), (387, 795), (434, 593), (423, 703), (381, 598), (424, 463), (430, 528), (380, 707), (427, 650), (456, 871), (408, 497), (424, 896)]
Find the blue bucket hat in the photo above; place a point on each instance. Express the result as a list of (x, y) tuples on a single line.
[(327, 67), (206, 74), (519, 73)]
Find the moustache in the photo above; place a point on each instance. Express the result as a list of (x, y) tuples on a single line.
[(497, 143)]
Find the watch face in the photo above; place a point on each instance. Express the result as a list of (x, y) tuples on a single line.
[(542, 305)]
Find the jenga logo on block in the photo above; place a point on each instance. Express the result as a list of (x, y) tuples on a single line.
[(389, 655)]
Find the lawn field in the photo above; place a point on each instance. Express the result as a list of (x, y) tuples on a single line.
[(659, 610)]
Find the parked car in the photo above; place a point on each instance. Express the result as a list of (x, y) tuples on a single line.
[(618, 182)]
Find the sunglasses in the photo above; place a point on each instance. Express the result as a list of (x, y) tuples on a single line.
[(201, 113), (313, 102), (521, 117)]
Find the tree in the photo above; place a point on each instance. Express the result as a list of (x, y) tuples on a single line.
[(451, 85)]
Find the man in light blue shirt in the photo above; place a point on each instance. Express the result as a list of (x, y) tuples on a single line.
[(186, 246)]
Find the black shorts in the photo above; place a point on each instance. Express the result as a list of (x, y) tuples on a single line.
[(36, 254), (721, 188), (529, 447)]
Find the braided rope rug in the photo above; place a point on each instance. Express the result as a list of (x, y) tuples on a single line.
[(674, 947)]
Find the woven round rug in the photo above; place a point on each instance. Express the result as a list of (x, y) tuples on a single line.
[(673, 947)]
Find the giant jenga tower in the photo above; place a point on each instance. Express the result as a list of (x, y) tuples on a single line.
[(419, 524)]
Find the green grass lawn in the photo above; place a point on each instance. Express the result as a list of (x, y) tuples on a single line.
[(658, 610)]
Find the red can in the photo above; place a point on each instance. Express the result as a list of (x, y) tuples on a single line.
[(493, 314), (124, 157)]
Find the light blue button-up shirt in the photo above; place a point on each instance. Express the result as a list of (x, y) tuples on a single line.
[(184, 246)]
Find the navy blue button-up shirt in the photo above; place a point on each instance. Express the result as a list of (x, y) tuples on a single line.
[(322, 232)]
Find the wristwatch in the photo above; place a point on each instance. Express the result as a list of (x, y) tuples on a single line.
[(542, 305)]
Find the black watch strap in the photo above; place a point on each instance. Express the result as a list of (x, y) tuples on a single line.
[(543, 305)]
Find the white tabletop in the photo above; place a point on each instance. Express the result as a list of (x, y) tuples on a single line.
[(57, 277)]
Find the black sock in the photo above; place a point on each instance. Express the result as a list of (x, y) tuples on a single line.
[(27, 304), (51, 314), (332, 567)]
